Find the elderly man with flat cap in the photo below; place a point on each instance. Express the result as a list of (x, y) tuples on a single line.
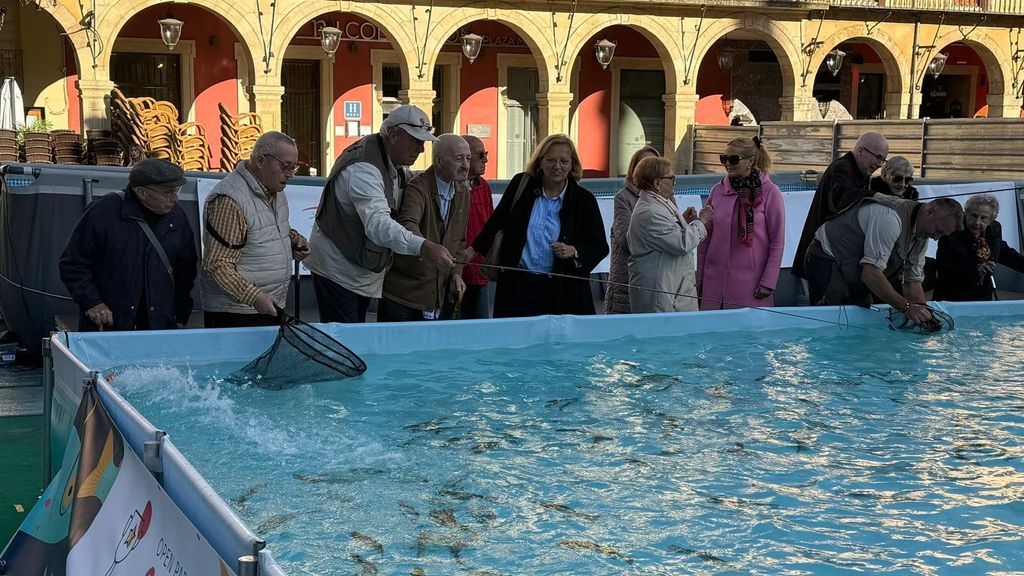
[(356, 233), (130, 263)]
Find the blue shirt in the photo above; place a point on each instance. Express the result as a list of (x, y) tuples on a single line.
[(445, 193), (542, 232)]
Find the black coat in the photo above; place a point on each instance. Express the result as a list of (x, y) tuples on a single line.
[(840, 185), (108, 259), (956, 263), (581, 227), (881, 186)]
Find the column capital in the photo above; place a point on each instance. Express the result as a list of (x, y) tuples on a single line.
[(94, 98), (801, 108), (265, 101), (680, 100), (554, 112), (418, 97)]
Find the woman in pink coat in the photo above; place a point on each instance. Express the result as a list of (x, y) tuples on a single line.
[(738, 263)]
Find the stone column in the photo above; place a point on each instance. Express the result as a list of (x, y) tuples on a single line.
[(896, 104), (800, 108), (1003, 105), (94, 96), (554, 112), (680, 115), (265, 100), (422, 97)]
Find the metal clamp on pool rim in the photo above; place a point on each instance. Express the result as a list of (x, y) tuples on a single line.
[(151, 455)]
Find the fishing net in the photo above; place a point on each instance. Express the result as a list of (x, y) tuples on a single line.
[(301, 354), (940, 322)]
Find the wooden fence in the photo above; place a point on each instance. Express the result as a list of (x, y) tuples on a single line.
[(962, 148)]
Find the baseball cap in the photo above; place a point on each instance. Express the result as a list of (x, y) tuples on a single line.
[(413, 120), (156, 171)]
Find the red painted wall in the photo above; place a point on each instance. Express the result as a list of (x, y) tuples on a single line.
[(714, 84), (74, 102), (215, 67)]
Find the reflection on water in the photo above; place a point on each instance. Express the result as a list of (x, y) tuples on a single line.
[(814, 452)]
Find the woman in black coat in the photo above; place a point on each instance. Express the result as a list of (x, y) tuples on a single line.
[(555, 226), (897, 176), (966, 259)]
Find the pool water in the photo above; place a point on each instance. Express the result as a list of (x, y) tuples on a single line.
[(823, 451)]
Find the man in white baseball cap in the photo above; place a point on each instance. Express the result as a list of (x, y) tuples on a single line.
[(355, 234)]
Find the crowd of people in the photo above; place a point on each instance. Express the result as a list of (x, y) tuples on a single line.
[(430, 246)]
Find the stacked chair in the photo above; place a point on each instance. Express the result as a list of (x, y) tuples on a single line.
[(238, 135), (102, 150), (67, 147), (38, 148), (152, 125), (9, 146)]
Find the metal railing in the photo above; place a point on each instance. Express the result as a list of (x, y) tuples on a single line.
[(1015, 7)]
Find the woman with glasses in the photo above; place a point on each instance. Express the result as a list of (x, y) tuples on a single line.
[(548, 224), (966, 259), (616, 299), (662, 242), (738, 264), (896, 179)]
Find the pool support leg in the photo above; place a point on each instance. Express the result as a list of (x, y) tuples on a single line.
[(152, 458), (47, 407)]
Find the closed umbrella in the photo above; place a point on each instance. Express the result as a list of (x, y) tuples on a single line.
[(12, 106)]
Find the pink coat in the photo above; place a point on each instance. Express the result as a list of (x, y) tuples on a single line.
[(727, 269)]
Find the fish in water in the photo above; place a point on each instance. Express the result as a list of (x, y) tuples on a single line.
[(275, 521), (594, 547), (367, 567), (243, 498), (351, 475), (738, 449), (485, 446), (366, 541), (418, 572), (597, 439), (639, 462), (446, 517), (409, 510), (459, 495), (563, 509), (706, 556), (662, 381), (561, 403), (426, 540)]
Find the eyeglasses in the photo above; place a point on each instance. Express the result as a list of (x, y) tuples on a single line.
[(286, 167), (902, 180), (483, 155), (731, 159), (165, 193), (879, 157)]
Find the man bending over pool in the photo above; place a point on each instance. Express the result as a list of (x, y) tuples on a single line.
[(858, 252)]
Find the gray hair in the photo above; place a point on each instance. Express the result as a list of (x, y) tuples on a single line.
[(897, 164), (270, 143), (445, 145), (984, 200), (951, 208)]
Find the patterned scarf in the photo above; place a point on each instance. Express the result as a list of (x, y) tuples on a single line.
[(748, 191), (984, 254)]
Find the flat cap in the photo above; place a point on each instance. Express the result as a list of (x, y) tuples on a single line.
[(156, 171)]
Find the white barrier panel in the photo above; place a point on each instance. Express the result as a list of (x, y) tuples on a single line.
[(104, 513), (303, 200)]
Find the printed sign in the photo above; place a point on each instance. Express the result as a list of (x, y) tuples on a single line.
[(353, 110), (105, 514)]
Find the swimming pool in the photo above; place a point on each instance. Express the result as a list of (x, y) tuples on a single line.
[(815, 451)]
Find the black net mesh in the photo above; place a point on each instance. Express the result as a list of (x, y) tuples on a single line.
[(940, 322), (301, 354)]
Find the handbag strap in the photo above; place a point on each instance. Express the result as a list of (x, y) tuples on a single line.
[(522, 186), (158, 247)]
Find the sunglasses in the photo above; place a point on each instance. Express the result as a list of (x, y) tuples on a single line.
[(731, 159), (902, 180), (483, 156), (286, 167)]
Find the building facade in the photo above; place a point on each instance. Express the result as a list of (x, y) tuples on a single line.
[(675, 63)]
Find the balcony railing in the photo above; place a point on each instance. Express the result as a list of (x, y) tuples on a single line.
[(1015, 7)]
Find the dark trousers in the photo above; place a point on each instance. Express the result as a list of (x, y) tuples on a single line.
[(521, 295), (338, 304), (390, 311), (233, 320), (818, 268), (476, 302)]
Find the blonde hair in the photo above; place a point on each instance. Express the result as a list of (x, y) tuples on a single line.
[(649, 170), (637, 157), (533, 166), (752, 148)]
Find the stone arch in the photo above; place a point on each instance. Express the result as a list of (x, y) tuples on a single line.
[(240, 22), (520, 23), (773, 34), (988, 50), (887, 48), (653, 29), (73, 32), (384, 18)]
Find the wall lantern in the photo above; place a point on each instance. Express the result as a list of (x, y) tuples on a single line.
[(726, 58), (330, 39), (471, 44), (937, 64), (604, 51), (170, 31), (834, 61)]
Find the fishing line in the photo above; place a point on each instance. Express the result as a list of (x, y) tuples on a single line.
[(669, 293)]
